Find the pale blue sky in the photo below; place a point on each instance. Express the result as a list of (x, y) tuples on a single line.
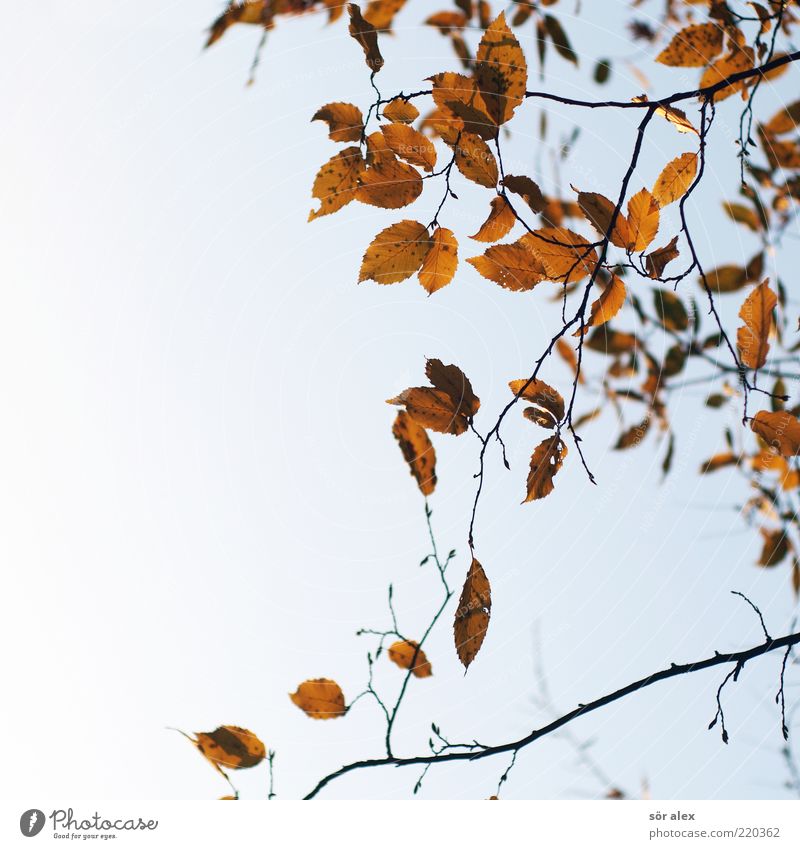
[(201, 497)]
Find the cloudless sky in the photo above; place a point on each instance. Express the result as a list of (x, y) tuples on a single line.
[(201, 499)]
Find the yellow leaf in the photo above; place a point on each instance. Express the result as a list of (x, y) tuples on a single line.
[(546, 460), (566, 256), (400, 111), (446, 407), (417, 451), (540, 393), (345, 121), (441, 261), (693, 47), (500, 221), (514, 266), (599, 211), (408, 655), (336, 182), (231, 747), (607, 305), (410, 145), (367, 36), (674, 181), (642, 220), (475, 161), (395, 253), (320, 698), (752, 340), (389, 184), (472, 614), (676, 117), (501, 71), (781, 430)]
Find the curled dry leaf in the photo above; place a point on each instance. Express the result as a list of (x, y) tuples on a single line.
[(674, 181), (367, 36), (408, 655), (693, 47), (380, 13), (395, 253), (447, 406), (320, 698), (337, 181), (752, 339), (546, 460), (441, 261), (345, 121), (411, 145), (499, 223), (417, 451), (656, 261), (781, 430), (515, 266), (400, 111), (231, 747), (541, 394), (472, 615), (501, 71)]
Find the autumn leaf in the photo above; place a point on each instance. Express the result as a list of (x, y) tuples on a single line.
[(676, 117), (475, 161), (389, 184), (441, 261), (501, 71), (567, 353), (779, 429), (784, 120), (693, 47), (566, 256), (670, 310), (527, 189), (719, 461), (446, 407), (395, 253), (231, 747), (417, 451), (461, 106), (643, 218), (249, 12), (599, 211), (515, 267), (656, 261), (367, 36), (559, 39), (400, 111), (540, 393), (739, 59), (726, 278), (499, 223), (546, 460), (336, 182), (752, 339), (674, 181), (775, 548), (345, 121), (411, 145), (607, 341), (447, 21), (607, 305), (472, 614), (408, 655), (633, 436), (380, 13), (320, 698)]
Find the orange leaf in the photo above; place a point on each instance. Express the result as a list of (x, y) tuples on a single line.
[(408, 655), (500, 221), (441, 261), (336, 182), (599, 211), (546, 460), (389, 184), (693, 47), (320, 698), (540, 393), (643, 218), (607, 305), (514, 266), (566, 256), (475, 161), (400, 111), (752, 340), (367, 36), (417, 451), (231, 747), (781, 430), (674, 181), (472, 615), (395, 253), (501, 71), (345, 121), (410, 145)]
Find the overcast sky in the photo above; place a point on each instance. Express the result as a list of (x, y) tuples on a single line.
[(201, 499)]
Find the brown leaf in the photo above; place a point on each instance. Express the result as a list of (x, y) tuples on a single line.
[(320, 698), (447, 21), (726, 278), (670, 310), (693, 47), (410, 145), (540, 393), (567, 353), (462, 107), (674, 181), (607, 341), (784, 120), (501, 71), (231, 747), (408, 655), (566, 256), (395, 253), (336, 182), (752, 339), (380, 13), (345, 121), (527, 189), (417, 451), (781, 430), (546, 460), (500, 221), (441, 261), (475, 161), (740, 59), (251, 12), (642, 219), (400, 111), (599, 211), (472, 614), (775, 547), (389, 184), (367, 36), (607, 305), (657, 260), (514, 266), (633, 435), (719, 461)]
